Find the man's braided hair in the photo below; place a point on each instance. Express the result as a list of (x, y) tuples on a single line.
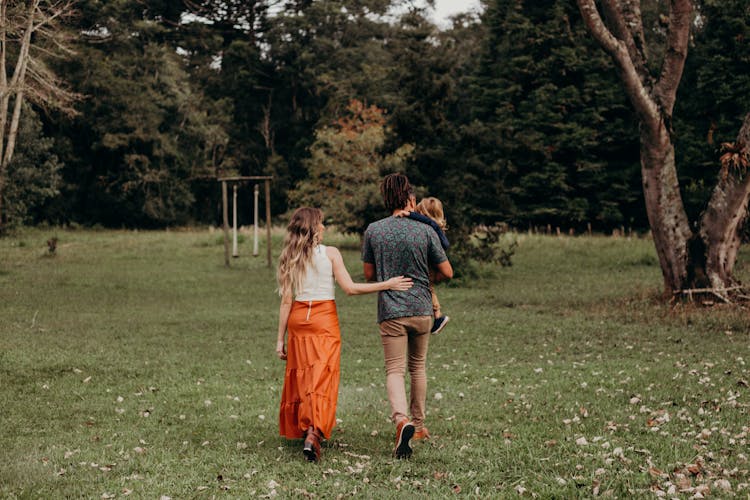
[(396, 191)]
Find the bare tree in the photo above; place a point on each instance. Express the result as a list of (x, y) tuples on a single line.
[(30, 33), (698, 256)]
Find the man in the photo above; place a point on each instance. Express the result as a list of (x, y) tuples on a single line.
[(397, 246)]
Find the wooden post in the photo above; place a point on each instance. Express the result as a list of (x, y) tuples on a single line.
[(225, 211), (256, 194), (268, 220), (235, 252)]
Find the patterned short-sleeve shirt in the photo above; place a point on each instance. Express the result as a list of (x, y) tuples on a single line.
[(399, 246)]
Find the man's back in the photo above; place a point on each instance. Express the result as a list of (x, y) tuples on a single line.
[(399, 246)]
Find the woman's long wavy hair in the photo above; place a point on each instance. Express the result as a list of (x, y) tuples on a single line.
[(302, 235)]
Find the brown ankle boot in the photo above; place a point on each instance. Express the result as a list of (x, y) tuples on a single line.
[(311, 449)]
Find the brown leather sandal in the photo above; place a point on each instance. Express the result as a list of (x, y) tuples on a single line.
[(311, 449)]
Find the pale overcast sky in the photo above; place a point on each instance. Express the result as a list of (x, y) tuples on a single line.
[(446, 8)]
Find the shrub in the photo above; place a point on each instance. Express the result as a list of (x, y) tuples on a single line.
[(476, 251)]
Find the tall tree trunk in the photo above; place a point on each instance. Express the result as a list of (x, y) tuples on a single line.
[(4, 92), (621, 35), (726, 211), (666, 216), (703, 258)]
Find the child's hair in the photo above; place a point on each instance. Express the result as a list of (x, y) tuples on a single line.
[(302, 235), (433, 208)]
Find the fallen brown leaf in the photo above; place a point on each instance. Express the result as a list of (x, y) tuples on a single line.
[(656, 473), (694, 469)]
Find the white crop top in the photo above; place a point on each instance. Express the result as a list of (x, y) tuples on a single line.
[(318, 282)]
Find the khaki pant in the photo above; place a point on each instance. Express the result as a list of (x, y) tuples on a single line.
[(405, 342)]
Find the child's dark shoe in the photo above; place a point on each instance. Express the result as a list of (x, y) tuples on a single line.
[(439, 324)]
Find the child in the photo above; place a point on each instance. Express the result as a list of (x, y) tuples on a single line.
[(430, 211)]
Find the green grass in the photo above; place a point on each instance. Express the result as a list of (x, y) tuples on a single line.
[(134, 362)]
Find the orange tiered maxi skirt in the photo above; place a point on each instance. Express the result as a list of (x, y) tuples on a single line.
[(311, 381)]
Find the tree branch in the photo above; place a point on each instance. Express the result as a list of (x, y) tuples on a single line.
[(639, 96), (680, 17), (47, 90), (634, 18), (3, 83), (628, 28), (23, 52), (60, 9)]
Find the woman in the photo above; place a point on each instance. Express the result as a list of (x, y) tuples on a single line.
[(306, 274)]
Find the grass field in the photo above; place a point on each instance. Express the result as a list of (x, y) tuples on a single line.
[(134, 363)]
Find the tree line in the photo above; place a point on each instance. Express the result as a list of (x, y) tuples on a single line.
[(515, 115)]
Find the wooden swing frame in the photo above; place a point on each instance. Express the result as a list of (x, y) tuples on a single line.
[(225, 210)]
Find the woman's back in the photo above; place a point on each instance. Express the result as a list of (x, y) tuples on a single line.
[(318, 283)]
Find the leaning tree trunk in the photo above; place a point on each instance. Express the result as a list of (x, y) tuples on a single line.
[(32, 25), (620, 33), (722, 221), (7, 89)]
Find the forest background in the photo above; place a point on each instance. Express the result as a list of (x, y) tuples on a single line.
[(514, 115)]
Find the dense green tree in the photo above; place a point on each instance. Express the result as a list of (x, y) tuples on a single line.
[(31, 34), (142, 133), (428, 99), (33, 174), (345, 167), (221, 44), (514, 115), (323, 54), (548, 113)]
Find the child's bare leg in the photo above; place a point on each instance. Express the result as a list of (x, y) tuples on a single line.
[(435, 302), (440, 319), (436, 305)]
